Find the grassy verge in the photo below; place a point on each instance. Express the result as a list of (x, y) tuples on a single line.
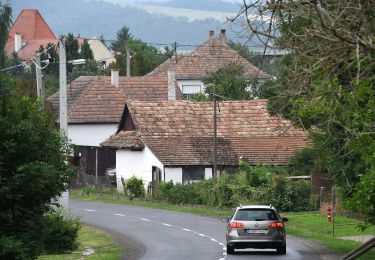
[(308, 225), (96, 243), (315, 226)]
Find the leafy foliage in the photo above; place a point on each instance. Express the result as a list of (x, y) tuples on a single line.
[(5, 23), (326, 85), (252, 185), (134, 187), (144, 57), (32, 172), (61, 233), (229, 82)]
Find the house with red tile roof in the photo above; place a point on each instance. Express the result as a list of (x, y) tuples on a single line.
[(209, 57), (173, 140), (95, 108), (28, 33)]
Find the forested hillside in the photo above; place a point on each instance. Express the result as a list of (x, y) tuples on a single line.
[(95, 18)]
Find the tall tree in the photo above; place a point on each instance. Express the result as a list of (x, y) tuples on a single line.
[(144, 57), (5, 23), (327, 84), (229, 82), (122, 37), (86, 52)]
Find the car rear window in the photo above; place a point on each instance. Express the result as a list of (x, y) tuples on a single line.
[(255, 215)]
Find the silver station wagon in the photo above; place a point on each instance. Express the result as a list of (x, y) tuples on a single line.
[(256, 226)]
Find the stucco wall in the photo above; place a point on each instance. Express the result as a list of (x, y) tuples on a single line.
[(207, 173), (90, 134), (189, 86), (173, 174), (101, 52), (136, 163)]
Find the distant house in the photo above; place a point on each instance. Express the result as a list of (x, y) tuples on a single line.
[(173, 141), (212, 55), (101, 53), (95, 107), (28, 33)]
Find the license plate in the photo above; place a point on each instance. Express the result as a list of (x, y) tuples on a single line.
[(256, 231)]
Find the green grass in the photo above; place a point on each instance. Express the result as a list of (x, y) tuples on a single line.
[(309, 225), (103, 245), (199, 211), (315, 226)]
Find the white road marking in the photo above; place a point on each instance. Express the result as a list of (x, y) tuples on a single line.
[(165, 224), (120, 215), (144, 219), (90, 210), (201, 235), (221, 244), (186, 229), (213, 240)]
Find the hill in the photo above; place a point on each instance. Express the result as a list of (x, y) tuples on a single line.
[(96, 18)]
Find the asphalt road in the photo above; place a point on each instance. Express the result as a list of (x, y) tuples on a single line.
[(160, 234)]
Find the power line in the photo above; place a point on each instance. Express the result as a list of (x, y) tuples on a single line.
[(32, 58)]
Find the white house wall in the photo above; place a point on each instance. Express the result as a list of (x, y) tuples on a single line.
[(90, 134), (135, 163), (190, 86), (173, 174), (207, 173)]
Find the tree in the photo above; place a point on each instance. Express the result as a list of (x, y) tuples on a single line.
[(144, 57), (5, 22), (33, 170), (86, 52), (327, 85), (122, 37), (229, 82)]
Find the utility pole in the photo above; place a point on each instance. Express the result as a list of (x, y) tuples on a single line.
[(127, 62), (64, 198), (38, 72), (214, 174), (63, 92)]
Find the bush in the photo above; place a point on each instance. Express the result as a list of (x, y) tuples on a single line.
[(61, 233), (11, 248), (133, 187)]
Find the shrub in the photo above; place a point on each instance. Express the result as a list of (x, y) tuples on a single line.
[(134, 187), (11, 248), (61, 233)]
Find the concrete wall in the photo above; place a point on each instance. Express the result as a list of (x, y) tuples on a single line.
[(135, 163), (90, 134)]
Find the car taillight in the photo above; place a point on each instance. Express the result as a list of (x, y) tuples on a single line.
[(236, 225), (276, 225)]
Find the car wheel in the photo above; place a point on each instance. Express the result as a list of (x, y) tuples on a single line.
[(281, 249), (230, 249)]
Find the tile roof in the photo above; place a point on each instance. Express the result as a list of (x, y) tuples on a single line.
[(95, 100), (181, 132), (34, 31), (125, 139), (212, 55)]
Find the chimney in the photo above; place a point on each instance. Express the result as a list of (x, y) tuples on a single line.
[(223, 36), (115, 78), (211, 34), (17, 42), (171, 85)]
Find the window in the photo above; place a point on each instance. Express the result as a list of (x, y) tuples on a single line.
[(192, 174), (255, 215), (189, 91)]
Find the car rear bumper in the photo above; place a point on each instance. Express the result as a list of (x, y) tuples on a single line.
[(256, 244)]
